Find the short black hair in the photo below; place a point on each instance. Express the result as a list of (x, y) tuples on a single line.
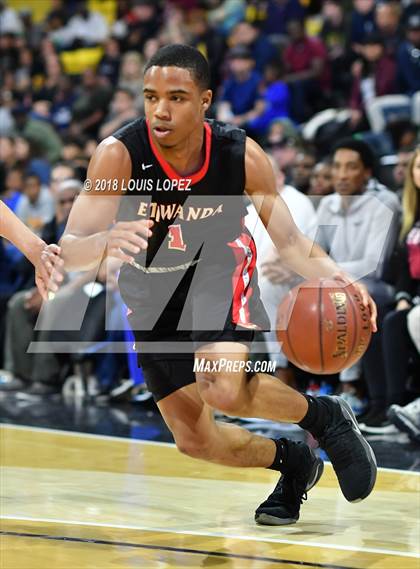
[(186, 57), (362, 148)]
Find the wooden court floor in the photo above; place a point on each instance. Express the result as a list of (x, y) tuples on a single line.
[(74, 501)]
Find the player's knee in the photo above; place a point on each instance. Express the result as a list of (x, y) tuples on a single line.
[(223, 395), (193, 445)]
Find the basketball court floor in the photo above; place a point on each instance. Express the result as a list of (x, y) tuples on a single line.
[(76, 501)]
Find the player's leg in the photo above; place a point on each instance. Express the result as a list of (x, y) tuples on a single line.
[(329, 419), (198, 435), (231, 392)]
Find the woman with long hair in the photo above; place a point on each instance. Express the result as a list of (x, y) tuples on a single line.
[(398, 347)]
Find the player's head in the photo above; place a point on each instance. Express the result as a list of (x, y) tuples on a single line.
[(176, 93), (353, 165)]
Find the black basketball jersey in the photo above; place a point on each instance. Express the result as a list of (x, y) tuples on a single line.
[(207, 207)]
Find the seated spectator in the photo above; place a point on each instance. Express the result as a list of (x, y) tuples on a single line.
[(26, 161), (131, 76), (373, 76), (109, 66), (250, 36), (387, 20), (408, 59), (275, 280), (208, 40), (320, 182), (40, 369), (91, 105), (276, 97), (358, 227), (398, 348), (307, 71), (400, 170), (122, 111), (42, 137), (280, 142), (13, 188), (85, 28), (362, 22), (334, 35), (302, 169), (226, 14), (240, 100), (36, 206), (60, 172), (274, 15)]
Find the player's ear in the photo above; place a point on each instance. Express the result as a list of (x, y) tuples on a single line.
[(206, 99)]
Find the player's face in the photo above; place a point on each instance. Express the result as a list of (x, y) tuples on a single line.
[(174, 105), (349, 173)]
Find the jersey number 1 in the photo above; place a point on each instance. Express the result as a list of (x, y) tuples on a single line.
[(175, 238)]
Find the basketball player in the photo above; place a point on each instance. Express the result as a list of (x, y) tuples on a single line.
[(174, 144), (45, 258)]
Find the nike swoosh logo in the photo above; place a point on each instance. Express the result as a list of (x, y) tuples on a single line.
[(145, 166)]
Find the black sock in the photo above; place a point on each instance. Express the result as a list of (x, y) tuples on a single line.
[(317, 416), (288, 456)]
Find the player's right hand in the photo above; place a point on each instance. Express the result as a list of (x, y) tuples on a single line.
[(127, 237)]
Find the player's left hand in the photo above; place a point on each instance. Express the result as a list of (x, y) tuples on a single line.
[(366, 298), (48, 269)]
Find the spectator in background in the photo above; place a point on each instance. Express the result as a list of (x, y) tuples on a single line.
[(334, 35), (131, 76), (142, 22), (278, 13), (91, 105), (208, 41), (249, 35), (42, 137), (276, 98), (13, 187), (240, 100), (109, 65), (408, 57), (400, 170), (302, 169), (36, 206), (387, 20), (122, 111), (60, 172), (307, 71), (275, 280), (85, 29), (373, 76), (10, 23), (226, 14), (362, 22), (320, 182), (29, 164), (398, 347), (358, 228)]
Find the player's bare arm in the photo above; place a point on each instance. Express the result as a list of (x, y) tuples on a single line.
[(45, 258), (91, 232), (297, 252)]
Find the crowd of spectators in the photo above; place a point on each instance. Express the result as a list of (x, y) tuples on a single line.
[(298, 75)]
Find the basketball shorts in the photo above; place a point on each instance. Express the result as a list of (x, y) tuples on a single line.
[(172, 315)]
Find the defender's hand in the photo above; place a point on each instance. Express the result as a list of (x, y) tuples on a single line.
[(48, 269)]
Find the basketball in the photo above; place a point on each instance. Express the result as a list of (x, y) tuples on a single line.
[(323, 326)]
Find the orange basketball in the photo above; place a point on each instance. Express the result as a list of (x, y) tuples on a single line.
[(323, 326)]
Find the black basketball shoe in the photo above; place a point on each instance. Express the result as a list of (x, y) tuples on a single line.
[(351, 456), (283, 505)]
